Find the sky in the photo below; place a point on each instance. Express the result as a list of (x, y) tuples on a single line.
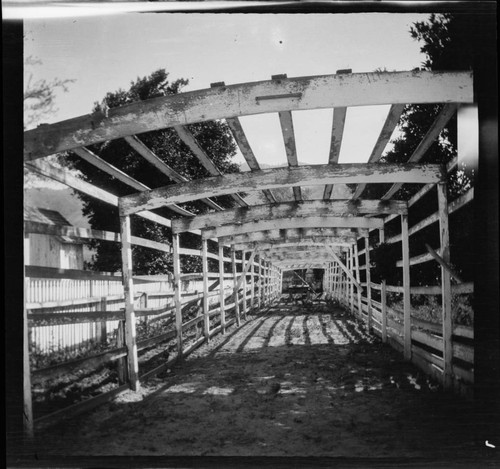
[(105, 53)]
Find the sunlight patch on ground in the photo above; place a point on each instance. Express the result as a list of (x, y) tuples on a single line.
[(215, 391), (187, 388)]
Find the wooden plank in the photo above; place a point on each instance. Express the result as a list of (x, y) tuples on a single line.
[(55, 319), (463, 352), (429, 368), (447, 319), (338, 122), (246, 150), (353, 173), (320, 235), (187, 137), (84, 233), (344, 268), (427, 356), (235, 289), (445, 265), (430, 340), (382, 141), (292, 223), (320, 92), (128, 289), (463, 331), (289, 209), (161, 166), (221, 289), (66, 178), (383, 296), (368, 284), (406, 287), (35, 271), (73, 366), (27, 397), (118, 174), (430, 137), (177, 291), (286, 123), (206, 321)]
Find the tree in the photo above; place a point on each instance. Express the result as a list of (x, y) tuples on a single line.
[(448, 42), (214, 137)]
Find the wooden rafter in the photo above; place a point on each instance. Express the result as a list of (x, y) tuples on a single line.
[(98, 162), (320, 92), (161, 166), (382, 141), (345, 242), (293, 222), (289, 209), (280, 177), (246, 150), (338, 123), (64, 177), (187, 137), (286, 123), (430, 137)]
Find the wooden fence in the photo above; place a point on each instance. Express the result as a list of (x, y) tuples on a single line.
[(442, 348)]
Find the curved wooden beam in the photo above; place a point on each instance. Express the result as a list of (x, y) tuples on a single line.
[(293, 222), (280, 177), (290, 209), (320, 92)]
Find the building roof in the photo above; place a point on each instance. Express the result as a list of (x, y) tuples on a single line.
[(49, 217)]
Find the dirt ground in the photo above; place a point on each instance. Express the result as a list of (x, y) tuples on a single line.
[(295, 381)]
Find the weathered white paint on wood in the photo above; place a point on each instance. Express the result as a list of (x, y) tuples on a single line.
[(128, 288), (295, 222), (177, 292), (447, 321), (246, 150), (187, 137), (320, 92), (235, 290), (430, 137), (338, 122), (280, 177), (286, 123), (406, 287), (382, 141), (161, 166), (349, 275), (290, 209), (206, 317)]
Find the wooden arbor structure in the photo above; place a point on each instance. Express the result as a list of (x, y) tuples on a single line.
[(300, 233)]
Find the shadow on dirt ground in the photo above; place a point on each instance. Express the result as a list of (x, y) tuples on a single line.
[(297, 381)]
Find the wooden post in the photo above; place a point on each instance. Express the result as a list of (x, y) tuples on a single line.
[(206, 317), (356, 262), (259, 293), (235, 287), (351, 284), (177, 292), (445, 286), (406, 288), (102, 333), (27, 399), (244, 284), (368, 284), (383, 294), (261, 282), (122, 362), (252, 285), (128, 287), (221, 288)]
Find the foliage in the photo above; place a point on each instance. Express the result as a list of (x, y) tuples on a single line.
[(448, 42), (214, 137)]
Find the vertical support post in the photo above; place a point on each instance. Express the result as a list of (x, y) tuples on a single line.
[(204, 261), (221, 288), (261, 282), (444, 236), (177, 292), (27, 399), (122, 362), (252, 284), (383, 294), (351, 283), (406, 288), (368, 285), (356, 261), (128, 287), (235, 288), (259, 293), (244, 284), (102, 331)]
